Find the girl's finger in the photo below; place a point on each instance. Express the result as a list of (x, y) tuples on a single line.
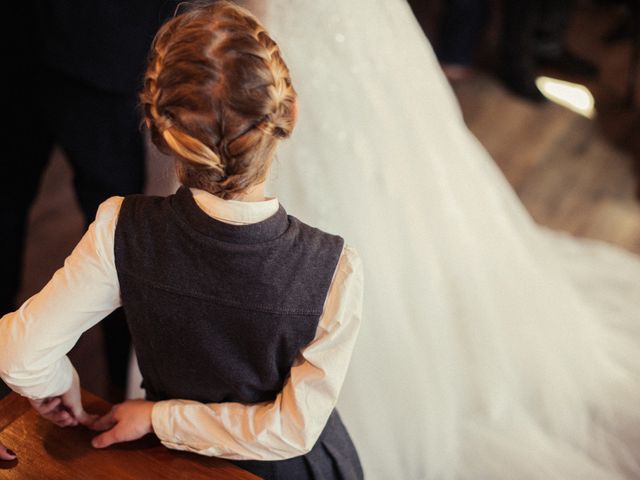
[(6, 454), (49, 406), (60, 417), (69, 422), (75, 408), (104, 423), (87, 419), (107, 438)]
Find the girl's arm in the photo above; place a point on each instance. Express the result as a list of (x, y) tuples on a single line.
[(287, 427), (35, 339)]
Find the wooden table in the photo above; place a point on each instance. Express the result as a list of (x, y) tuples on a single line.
[(49, 452)]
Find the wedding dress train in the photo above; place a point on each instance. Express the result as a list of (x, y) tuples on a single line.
[(492, 348)]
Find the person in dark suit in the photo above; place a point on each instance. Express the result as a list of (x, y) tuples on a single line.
[(76, 70)]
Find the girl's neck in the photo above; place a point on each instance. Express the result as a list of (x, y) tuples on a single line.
[(253, 194)]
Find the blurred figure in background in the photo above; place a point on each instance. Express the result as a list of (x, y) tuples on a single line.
[(73, 82), (463, 24), (532, 36)]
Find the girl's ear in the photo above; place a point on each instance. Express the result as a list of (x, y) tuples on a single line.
[(148, 123)]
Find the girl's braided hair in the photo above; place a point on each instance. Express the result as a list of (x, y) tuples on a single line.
[(217, 95)]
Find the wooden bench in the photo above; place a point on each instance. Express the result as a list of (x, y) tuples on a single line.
[(46, 451)]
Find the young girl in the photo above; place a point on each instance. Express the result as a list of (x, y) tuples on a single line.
[(246, 314)]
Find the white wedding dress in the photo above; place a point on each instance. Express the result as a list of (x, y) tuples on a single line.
[(492, 348)]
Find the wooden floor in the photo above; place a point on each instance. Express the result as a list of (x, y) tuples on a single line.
[(572, 173)]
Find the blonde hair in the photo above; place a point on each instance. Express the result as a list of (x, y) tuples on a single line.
[(218, 96)]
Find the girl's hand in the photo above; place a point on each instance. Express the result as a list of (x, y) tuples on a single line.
[(65, 410), (6, 454), (125, 422)]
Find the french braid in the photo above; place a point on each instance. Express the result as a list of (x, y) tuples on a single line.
[(218, 96)]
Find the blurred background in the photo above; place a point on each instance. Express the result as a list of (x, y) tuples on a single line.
[(552, 90)]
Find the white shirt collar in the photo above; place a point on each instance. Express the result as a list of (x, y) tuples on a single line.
[(234, 212)]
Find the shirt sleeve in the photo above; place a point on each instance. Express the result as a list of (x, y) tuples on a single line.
[(290, 425), (35, 339)]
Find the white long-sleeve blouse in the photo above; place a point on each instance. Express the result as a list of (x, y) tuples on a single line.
[(35, 339)]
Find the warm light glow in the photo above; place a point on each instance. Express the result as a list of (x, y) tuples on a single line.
[(573, 96)]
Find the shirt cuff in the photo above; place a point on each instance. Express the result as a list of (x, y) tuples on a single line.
[(161, 421), (56, 381)]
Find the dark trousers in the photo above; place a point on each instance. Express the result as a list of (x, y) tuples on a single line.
[(333, 457), (100, 135), (462, 26)]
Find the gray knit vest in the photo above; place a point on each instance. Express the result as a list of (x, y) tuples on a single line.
[(218, 312)]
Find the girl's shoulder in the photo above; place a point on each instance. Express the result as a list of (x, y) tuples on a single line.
[(349, 256)]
